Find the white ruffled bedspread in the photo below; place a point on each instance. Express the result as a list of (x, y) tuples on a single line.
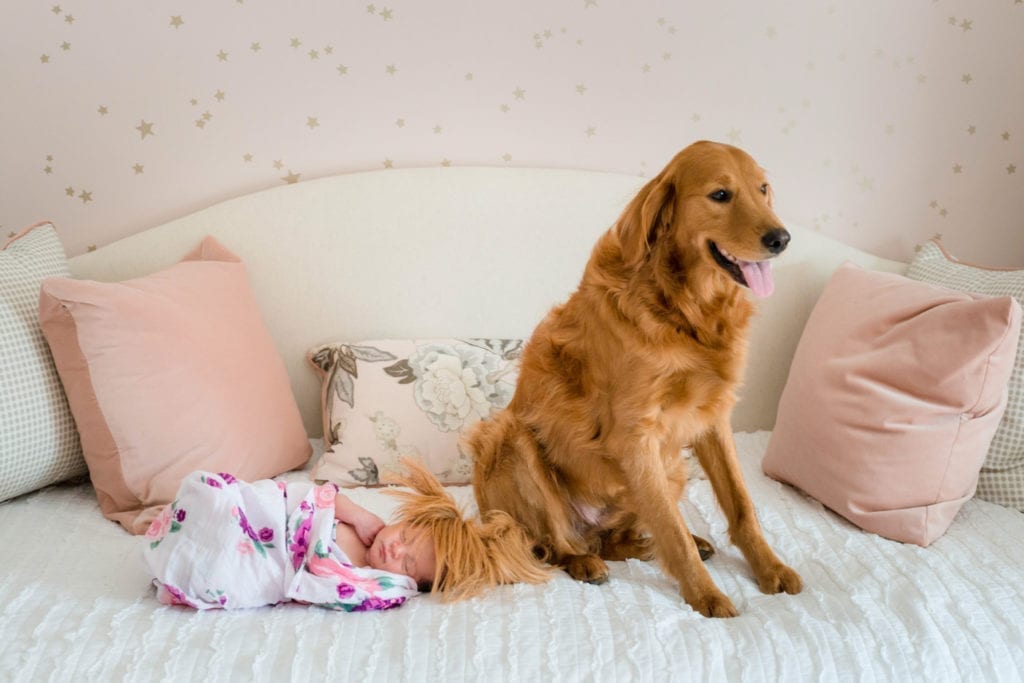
[(76, 604)]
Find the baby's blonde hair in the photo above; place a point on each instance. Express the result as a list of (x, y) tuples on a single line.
[(472, 554)]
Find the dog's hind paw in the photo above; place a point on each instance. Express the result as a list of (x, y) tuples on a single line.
[(587, 568)]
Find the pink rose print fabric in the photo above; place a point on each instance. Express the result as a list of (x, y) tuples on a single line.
[(230, 544)]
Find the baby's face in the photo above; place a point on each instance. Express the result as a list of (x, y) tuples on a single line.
[(401, 550)]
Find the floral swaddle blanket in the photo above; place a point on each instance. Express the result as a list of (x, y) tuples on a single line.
[(229, 544)]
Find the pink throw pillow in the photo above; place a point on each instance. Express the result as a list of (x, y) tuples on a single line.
[(171, 373), (894, 394)]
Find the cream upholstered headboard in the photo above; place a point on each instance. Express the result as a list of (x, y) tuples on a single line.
[(446, 252)]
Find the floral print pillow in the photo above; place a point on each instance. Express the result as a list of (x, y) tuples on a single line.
[(386, 399)]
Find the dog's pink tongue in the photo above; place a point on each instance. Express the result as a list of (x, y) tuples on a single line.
[(758, 275)]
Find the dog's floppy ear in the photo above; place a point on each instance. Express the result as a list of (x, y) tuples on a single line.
[(639, 224)]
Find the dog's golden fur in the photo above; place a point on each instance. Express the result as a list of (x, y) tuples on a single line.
[(642, 360)]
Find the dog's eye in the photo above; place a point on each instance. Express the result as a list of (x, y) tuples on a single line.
[(764, 188), (720, 196)]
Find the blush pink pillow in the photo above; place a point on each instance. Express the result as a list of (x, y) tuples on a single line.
[(894, 394), (170, 373)]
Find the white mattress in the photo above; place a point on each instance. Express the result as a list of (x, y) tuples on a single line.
[(76, 604)]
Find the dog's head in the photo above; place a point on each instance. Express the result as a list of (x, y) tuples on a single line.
[(711, 205)]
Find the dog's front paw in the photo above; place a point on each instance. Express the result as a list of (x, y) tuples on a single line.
[(779, 579), (712, 604), (588, 568)]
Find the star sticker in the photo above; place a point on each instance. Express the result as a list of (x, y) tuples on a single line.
[(69, 19), (370, 9), (222, 56), (966, 25), (296, 42), (145, 128), (957, 168), (391, 69), (590, 131), (48, 170), (201, 123), (69, 191), (312, 122), (313, 54), (65, 46), (177, 21), (91, 248), (138, 168), (966, 78), (207, 115), (1011, 169), (506, 157), (437, 130), (971, 130), (247, 158), (85, 196), (581, 88), (695, 118), (589, 3), (400, 123), (292, 177), (519, 93), (56, 9), (328, 49), (446, 162), (646, 68), (771, 32), (342, 69), (943, 213), (385, 14), (388, 163), (504, 108), (921, 78), (45, 59), (1006, 135), (469, 75), (255, 47), (734, 135), (102, 110), (219, 96), (278, 164)]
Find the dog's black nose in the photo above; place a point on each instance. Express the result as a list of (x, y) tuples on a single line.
[(776, 240)]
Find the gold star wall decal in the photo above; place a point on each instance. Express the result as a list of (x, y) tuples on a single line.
[(145, 128), (400, 123), (437, 130), (313, 54), (65, 46), (371, 9), (48, 170), (388, 163), (312, 122), (1006, 135), (1011, 169), (292, 177), (385, 14), (255, 47), (102, 111), (446, 163), (391, 69), (580, 88), (519, 93), (56, 9), (328, 50), (139, 169), (971, 130), (590, 131), (91, 248), (296, 42), (69, 19), (69, 191), (247, 158), (222, 56), (469, 75), (957, 168), (342, 69), (966, 25), (506, 157), (278, 164), (966, 78), (589, 3), (85, 196), (177, 21), (219, 95), (45, 59)]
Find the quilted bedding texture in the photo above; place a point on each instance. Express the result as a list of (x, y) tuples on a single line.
[(76, 604)]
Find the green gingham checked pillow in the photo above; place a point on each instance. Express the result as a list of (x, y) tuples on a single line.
[(1002, 476), (38, 440)]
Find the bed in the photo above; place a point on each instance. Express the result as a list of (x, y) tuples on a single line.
[(484, 251)]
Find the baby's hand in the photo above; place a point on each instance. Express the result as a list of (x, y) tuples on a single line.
[(367, 525)]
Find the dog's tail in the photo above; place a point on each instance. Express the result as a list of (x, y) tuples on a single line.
[(472, 554)]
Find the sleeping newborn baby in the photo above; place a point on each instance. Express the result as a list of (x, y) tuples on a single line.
[(229, 544)]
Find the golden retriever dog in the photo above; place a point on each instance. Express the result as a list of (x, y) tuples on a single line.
[(642, 360)]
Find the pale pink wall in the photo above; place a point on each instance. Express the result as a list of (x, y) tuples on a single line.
[(881, 122)]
